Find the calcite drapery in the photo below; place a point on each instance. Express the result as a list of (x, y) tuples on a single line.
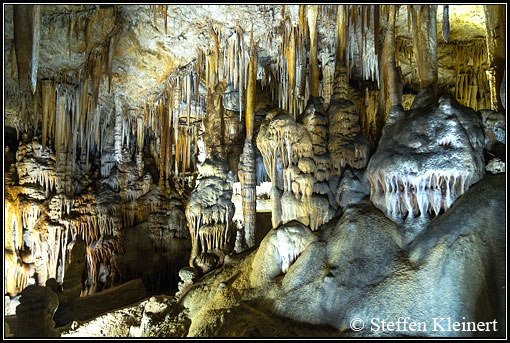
[(426, 159), (288, 154), (210, 210)]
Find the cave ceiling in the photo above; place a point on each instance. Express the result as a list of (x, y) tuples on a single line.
[(152, 48)]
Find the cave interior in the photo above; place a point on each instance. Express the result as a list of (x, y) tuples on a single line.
[(254, 170)]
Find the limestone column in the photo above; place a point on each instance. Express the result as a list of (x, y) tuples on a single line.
[(495, 23), (247, 164), (391, 87)]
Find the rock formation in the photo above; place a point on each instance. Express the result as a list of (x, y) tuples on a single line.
[(35, 312), (210, 210), (426, 159), (253, 170)]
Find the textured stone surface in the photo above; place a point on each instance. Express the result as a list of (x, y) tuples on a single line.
[(279, 249), (352, 188), (107, 143), (35, 312), (496, 166), (358, 268), (426, 158)]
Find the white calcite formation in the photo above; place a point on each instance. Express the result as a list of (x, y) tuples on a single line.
[(494, 127), (496, 166), (210, 210), (187, 275), (279, 249), (50, 202), (248, 180), (426, 159), (283, 141)]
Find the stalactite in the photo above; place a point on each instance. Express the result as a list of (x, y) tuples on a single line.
[(165, 9), (240, 69), (250, 96), (88, 32), (84, 107), (446, 24), (51, 28), (35, 44), (215, 35), (154, 15), (35, 113), (170, 136), (471, 85), (52, 110), (341, 33), (70, 32), (111, 50), (13, 62), (391, 89), (425, 44), (23, 17), (46, 91), (59, 124), (291, 63), (96, 77)]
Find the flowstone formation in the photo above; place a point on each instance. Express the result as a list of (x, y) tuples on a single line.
[(454, 269), (138, 139), (48, 210), (346, 144), (287, 149), (279, 249), (300, 283), (426, 158), (210, 210)]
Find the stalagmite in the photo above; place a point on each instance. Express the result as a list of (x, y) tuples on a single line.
[(285, 146), (346, 144), (247, 163), (210, 210)]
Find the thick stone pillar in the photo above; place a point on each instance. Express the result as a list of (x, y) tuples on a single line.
[(495, 23)]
